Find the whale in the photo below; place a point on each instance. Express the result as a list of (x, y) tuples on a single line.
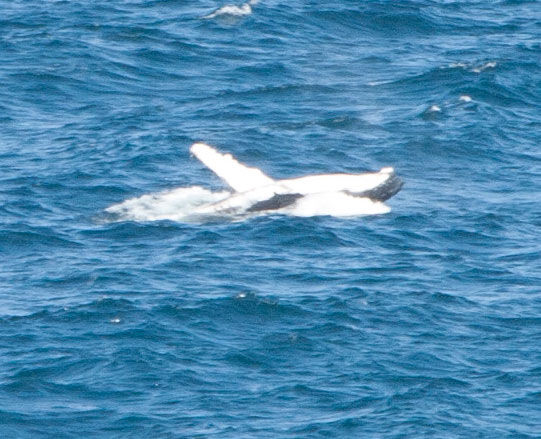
[(254, 192), (251, 193)]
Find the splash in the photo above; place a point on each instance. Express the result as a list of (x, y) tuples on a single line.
[(179, 204)]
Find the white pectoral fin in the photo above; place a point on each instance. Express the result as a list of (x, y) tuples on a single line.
[(240, 177)]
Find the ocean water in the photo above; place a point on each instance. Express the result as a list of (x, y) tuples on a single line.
[(422, 322)]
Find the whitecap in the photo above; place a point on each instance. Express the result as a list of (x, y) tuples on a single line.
[(233, 10), (455, 65), (432, 113), (475, 68), (488, 65)]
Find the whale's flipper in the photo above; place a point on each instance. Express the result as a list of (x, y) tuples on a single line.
[(240, 177)]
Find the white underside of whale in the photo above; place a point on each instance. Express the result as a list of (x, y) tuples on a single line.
[(254, 193)]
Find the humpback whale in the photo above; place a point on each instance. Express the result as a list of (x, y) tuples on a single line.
[(251, 192), (326, 194)]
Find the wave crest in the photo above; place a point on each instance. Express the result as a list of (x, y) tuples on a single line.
[(233, 10)]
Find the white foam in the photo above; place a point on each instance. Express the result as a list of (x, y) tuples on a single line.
[(458, 64), (234, 10), (488, 65), (376, 83), (435, 109), (465, 98), (475, 68)]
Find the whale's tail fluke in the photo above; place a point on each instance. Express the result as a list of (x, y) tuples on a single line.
[(240, 177), (390, 187)]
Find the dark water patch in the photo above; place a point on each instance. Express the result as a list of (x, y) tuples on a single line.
[(35, 240)]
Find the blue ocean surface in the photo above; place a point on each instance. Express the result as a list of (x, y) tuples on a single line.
[(424, 322)]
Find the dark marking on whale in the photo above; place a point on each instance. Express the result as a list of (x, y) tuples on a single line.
[(278, 201), (382, 192)]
